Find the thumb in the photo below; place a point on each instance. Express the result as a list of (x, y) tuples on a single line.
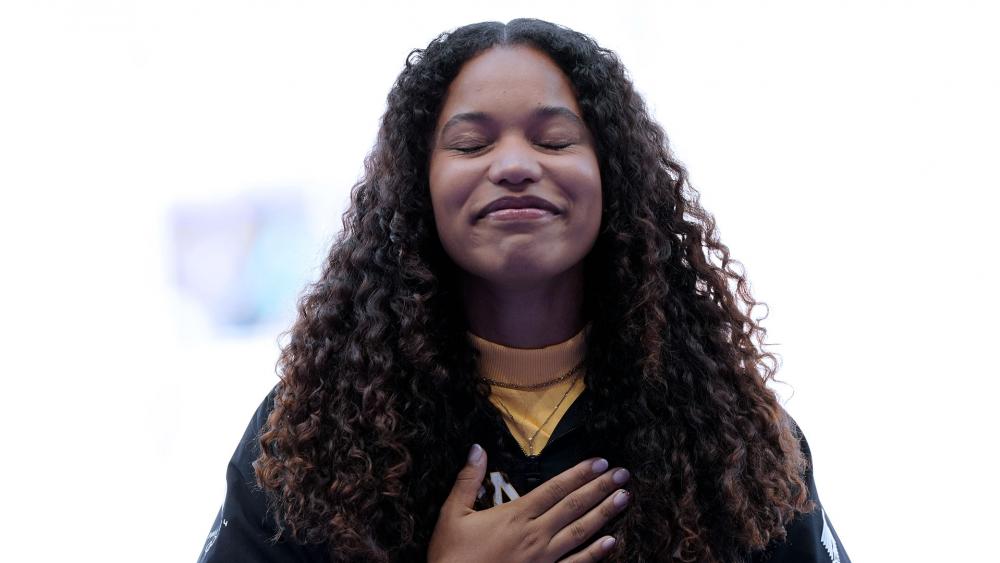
[(469, 480)]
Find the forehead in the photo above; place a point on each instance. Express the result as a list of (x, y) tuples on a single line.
[(506, 81)]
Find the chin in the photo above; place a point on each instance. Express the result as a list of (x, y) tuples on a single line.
[(526, 273)]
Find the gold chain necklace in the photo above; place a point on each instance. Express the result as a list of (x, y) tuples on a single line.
[(533, 386), (531, 440)]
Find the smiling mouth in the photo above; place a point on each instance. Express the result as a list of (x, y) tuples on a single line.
[(520, 214), (525, 207)]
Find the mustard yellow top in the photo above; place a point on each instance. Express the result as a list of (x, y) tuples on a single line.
[(526, 411)]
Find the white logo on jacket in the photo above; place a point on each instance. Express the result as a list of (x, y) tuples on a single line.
[(828, 540), (500, 486)]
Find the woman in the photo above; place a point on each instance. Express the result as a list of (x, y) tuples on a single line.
[(524, 268)]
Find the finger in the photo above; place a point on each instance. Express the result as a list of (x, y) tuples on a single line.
[(582, 500), (594, 552), (578, 531), (470, 478), (553, 491)]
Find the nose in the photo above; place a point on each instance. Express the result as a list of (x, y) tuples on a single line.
[(515, 163)]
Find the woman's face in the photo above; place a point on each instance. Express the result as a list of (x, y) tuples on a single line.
[(514, 179)]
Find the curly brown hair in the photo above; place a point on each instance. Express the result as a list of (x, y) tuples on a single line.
[(372, 416)]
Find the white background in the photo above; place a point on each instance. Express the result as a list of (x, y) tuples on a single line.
[(847, 149)]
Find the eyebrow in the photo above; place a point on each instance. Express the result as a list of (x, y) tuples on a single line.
[(540, 112)]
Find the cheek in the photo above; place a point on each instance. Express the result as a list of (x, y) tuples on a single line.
[(582, 182), (450, 186)]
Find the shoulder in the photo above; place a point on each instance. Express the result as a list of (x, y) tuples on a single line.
[(244, 529), (811, 537), (248, 448)]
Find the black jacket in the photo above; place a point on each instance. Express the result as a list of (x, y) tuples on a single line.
[(243, 527)]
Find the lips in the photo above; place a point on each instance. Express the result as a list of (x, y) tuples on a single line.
[(518, 202)]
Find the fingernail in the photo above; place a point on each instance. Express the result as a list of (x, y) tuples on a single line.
[(621, 499), (475, 454), (620, 476), (608, 543), (600, 466)]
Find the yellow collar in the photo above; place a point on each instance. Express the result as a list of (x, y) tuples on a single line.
[(527, 366)]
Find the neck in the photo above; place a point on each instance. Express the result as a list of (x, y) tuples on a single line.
[(526, 316)]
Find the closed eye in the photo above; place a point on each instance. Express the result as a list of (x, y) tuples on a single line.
[(555, 146), (468, 149)]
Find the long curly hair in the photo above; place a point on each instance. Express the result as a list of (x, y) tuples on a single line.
[(372, 416)]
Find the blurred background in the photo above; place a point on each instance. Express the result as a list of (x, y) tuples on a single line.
[(174, 172)]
